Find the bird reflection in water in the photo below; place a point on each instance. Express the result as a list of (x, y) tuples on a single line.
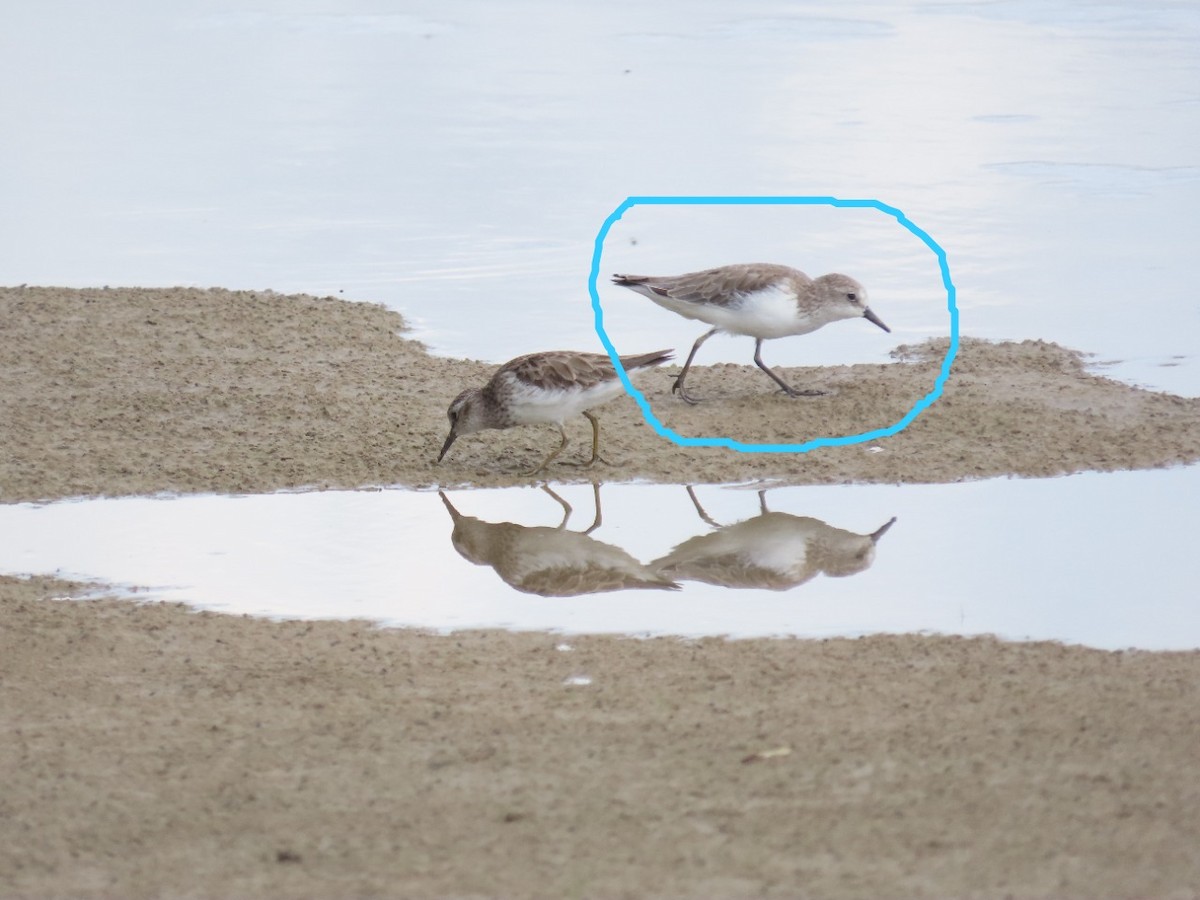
[(551, 562), (775, 551)]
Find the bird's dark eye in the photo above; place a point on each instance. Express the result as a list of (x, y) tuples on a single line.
[(852, 297)]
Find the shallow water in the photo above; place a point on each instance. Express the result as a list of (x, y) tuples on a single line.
[(1105, 560), (455, 161)]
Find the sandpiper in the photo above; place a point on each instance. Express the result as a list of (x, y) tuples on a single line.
[(545, 387), (776, 551), (761, 300), (551, 561)]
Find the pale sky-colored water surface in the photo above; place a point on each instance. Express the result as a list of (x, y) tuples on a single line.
[(1103, 560), (455, 160)]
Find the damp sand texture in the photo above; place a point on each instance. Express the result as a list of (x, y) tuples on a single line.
[(137, 391), (152, 751)]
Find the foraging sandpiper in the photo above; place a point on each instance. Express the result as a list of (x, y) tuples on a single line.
[(761, 300), (547, 387)]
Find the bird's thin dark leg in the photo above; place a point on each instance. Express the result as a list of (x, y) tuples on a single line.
[(700, 509), (596, 522), (561, 502), (787, 389), (596, 457), (545, 462), (678, 386)]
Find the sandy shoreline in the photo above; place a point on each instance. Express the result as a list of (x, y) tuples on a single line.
[(156, 752), (139, 391), (152, 751)]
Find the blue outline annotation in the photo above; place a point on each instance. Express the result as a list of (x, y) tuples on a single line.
[(666, 432)]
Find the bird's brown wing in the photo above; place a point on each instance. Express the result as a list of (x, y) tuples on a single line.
[(562, 369), (720, 286)]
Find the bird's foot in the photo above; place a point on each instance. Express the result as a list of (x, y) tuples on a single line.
[(539, 469), (591, 462), (677, 388)]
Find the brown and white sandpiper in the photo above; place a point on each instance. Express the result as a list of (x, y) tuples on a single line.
[(762, 300), (547, 387)]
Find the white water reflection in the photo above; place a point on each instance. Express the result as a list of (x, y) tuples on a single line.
[(1099, 559), (552, 561), (775, 551), (454, 160)]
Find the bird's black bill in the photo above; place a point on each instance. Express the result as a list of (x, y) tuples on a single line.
[(453, 436), (882, 530), (871, 317)]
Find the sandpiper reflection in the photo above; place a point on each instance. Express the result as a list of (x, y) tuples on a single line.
[(551, 562), (775, 551)]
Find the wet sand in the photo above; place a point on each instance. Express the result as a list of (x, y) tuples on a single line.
[(152, 751), (138, 391)]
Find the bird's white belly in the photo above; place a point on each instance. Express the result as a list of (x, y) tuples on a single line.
[(534, 407), (769, 313)]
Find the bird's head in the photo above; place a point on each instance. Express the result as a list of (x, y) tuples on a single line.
[(465, 415), (846, 298)]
